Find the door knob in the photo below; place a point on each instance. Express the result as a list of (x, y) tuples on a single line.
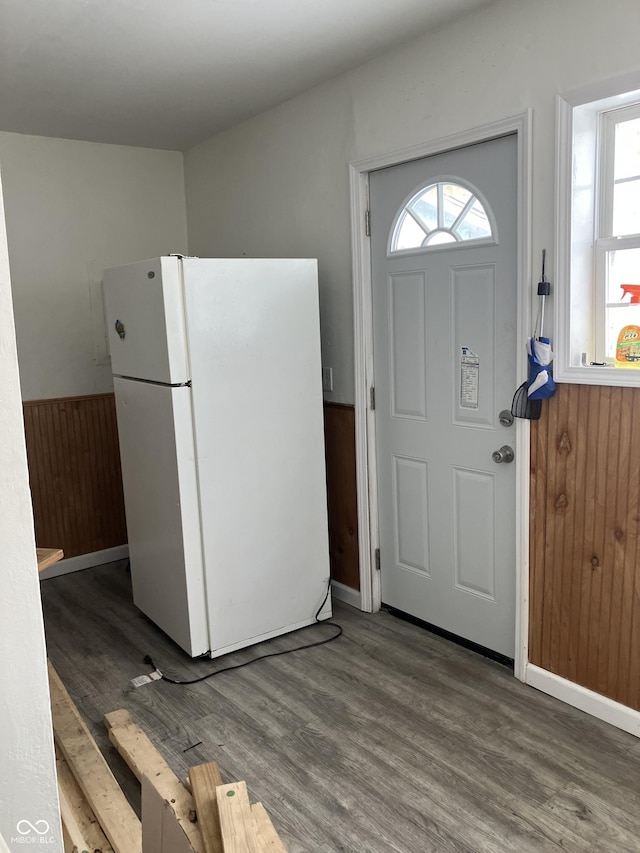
[(505, 454)]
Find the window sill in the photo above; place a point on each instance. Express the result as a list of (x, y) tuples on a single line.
[(625, 377)]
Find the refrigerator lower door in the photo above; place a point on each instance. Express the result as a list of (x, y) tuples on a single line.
[(161, 502)]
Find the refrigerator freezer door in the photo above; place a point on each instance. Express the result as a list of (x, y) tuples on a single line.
[(161, 501), (145, 321), (254, 341)]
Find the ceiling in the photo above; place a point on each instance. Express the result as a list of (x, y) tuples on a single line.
[(172, 73)]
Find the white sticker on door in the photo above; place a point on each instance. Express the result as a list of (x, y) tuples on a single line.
[(469, 378)]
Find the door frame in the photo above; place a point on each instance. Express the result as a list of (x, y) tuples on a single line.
[(366, 472)]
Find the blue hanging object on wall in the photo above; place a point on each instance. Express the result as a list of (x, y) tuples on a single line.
[(540, 384)]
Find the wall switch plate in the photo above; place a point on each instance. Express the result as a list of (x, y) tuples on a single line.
[(327, 378)]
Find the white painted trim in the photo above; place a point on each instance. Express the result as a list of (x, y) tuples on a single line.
[(85, 561), (523, 470), (564, 167), (585, 700), (364, 424), (341, 592), (523, 427), (366, 474), (606, 95)]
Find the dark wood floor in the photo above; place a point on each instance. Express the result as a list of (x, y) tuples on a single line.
[(389, 739)]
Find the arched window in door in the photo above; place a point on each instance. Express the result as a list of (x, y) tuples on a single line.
[(441, 214)]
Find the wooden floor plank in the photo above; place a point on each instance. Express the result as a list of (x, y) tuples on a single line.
[(108, 803), (390, 740), (589, 817)]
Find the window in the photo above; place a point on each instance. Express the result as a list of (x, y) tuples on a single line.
[(617, 241), (598, 221), (442, 213)]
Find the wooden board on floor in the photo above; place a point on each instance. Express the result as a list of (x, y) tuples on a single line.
[(82, 830), (236, 822), (144, 760), (204, 779), (161, 832), (266, 835), (98, 784)]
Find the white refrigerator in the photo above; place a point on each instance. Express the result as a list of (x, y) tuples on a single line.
[(218, 388)]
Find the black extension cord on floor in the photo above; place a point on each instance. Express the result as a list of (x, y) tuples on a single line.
[(148, 659)]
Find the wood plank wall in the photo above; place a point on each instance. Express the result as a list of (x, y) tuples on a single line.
[(585, 526), (74, 472), (340, 448), (76, 484)]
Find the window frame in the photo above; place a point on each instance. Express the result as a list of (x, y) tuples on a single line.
[(604, 239), (582, 163), (439, 182)]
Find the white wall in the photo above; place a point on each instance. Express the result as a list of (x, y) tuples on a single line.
[(278, 187), (72, 209), (27, 769), (278, 184)]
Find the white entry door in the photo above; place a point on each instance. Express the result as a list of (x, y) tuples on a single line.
[(444, 265)]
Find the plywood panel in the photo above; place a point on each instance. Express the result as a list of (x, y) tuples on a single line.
[(585, 524), (74, 472), (340, 448)]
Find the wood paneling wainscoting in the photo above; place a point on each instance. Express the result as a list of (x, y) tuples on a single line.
[(76, 482), (340, 448), (585, 525), (74, 472)]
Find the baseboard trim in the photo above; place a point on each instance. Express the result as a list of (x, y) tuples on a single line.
[(586, 700), (85, 561), (346, 594)]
